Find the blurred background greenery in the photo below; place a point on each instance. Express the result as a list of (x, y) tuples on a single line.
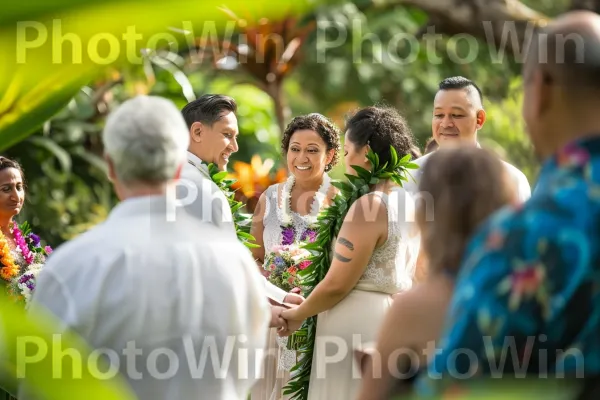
[(68, 191)]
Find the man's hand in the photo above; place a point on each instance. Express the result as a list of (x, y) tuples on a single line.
[(276, 320), (293, 298)]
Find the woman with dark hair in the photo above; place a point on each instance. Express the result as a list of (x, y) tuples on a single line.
[(374, 258), (21, 255), (286, 215)]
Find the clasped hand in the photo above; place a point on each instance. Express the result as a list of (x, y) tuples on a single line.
[(285, 327)]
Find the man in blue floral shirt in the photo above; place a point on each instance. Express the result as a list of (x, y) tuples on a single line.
[(527, 298)]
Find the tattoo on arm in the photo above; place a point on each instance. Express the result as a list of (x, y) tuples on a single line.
[(346, 242), (341, 257)]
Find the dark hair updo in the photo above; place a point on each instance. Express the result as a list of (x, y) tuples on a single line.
[(322, 126), (380, 127)]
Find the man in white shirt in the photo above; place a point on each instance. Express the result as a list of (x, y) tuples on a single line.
[(213, 128), (458, 115), (177, 306)]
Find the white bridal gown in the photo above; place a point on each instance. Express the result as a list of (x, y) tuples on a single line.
[(279, 360), (357, 318)]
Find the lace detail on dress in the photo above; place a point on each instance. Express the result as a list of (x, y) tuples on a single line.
[(272, 222), (391, 266)]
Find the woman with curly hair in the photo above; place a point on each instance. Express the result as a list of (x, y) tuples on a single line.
[(286, 214), (374, 258)]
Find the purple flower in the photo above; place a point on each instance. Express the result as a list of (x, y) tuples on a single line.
[(279, 261), (309, 235), (287, 236), (35, 239)]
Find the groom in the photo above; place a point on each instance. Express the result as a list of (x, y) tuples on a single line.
[(213, 126)]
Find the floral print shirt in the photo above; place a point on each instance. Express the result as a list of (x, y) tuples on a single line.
[(527, 297)]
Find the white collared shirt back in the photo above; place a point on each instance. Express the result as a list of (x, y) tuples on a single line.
[(179, 305)]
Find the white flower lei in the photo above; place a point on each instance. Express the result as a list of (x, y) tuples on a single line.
[(318, 202)]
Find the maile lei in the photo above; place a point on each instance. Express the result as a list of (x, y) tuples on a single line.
[(330, 221), (240, 221), (20, 274)]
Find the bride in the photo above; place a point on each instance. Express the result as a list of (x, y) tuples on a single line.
[(374, 257), (287, 213)]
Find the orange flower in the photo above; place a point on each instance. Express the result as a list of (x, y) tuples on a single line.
[(292, 270), (255, 178), (9, 269)]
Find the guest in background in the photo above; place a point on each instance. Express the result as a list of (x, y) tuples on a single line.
[(531, 274), (458, 116)]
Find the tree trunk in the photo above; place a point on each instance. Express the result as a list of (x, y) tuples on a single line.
[(504, 24), (274, 89)]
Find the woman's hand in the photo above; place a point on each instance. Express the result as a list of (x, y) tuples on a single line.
[(294, 322), (291, 314)]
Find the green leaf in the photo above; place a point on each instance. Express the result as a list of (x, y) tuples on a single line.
[(63, 156), (343, 186), (363, 173), (16, 323), (393, 156), (218, 177), (38, 79)]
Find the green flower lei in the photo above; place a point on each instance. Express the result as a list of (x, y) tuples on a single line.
[(240, 220), (330, 222)]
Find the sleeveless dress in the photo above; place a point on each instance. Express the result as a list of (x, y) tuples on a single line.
[(357, 318), (278, 359)]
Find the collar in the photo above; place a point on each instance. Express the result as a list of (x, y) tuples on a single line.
[(142, 205), (575, 154), (198, 164)]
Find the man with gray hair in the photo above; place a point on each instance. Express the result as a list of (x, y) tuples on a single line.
[(176, 305)]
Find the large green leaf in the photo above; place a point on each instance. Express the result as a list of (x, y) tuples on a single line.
[(45, 59), (33, 354)]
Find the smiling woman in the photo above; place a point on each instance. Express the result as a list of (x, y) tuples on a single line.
[(285, 218)]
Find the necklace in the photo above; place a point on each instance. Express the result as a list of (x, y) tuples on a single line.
[(288, 229)]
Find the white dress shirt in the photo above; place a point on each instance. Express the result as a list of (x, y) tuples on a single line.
[(519, 179), (184, 295)]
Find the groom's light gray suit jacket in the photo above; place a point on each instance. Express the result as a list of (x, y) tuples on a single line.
[(203, 199)]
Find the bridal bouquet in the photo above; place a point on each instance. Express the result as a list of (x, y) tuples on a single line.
[(283, 263)]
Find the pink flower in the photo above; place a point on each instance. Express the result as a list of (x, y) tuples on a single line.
[(527, 281), (573, 155), (48, 250), (291, 280), (304, 264), (22, 245)]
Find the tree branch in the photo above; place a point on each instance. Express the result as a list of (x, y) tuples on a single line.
[(590, 5), (494, 21)]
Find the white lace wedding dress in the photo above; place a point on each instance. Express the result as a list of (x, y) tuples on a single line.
[(356, 319), (279, 360)]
